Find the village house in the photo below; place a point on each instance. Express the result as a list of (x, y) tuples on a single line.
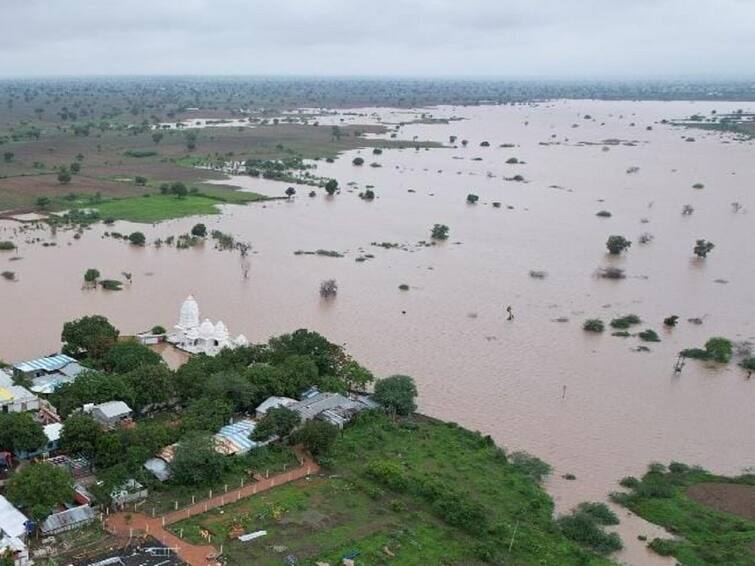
[(334, 408), (131, 490), (273, 403), (67, 520), (52, 432), (15, 398), (110, 414), (50, 372), (13, 533)]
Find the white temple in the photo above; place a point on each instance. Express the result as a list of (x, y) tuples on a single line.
[(205, 338)]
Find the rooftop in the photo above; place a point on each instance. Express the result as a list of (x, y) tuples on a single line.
[(48, 363), (12, 521)]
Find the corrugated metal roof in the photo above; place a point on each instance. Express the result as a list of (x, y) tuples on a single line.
[(113, 409), (48, 363), (274, 402), (159, 468), (12, 521), (234, 438), (67, 519), (310, 408)]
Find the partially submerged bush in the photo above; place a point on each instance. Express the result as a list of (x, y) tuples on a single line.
[(649, 335), (671, 321), (472, 198), (610, 272), (593, 325), (585, 529), (536, 274), (328, 288), (439, 232), (600, 512), (625, 321), (717, 349), (7, 246), (603, 214), (529, 465)]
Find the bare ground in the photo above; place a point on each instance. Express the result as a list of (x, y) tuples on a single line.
[(736, 499)]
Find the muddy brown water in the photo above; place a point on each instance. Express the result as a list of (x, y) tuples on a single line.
[(588, 404)]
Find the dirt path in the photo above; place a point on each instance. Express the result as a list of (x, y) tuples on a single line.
[(199, 555)]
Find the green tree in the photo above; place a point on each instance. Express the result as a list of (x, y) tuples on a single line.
[(75, 167), (93, 335), (719, 349), (128, 355), (108, 450), (397, 394), (64, 177), (137, 238), (328, 357), (79, 435), (196, 462), (43, 202), (331, 187), (439, 232), (290, 191), (191, 140), (356, 377), (472, 198), (91, 276), (206, 414), (151, 384), (199, 230), (358, 161), (703, 248), (19, 432), (278, 421), (39, 488), (179, 189), (91, 387), (157, 137), (140, 180), (316, 436), (617, 244), (8, 156)]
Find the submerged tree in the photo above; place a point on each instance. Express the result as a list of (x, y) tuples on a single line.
[(703, 247), (439, 232), (91, 276), (328, 288), (617, 244), (331, 187)]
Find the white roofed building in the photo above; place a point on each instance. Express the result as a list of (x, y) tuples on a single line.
[(201, 338)]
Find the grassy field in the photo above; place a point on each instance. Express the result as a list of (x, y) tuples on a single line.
[(158, 207), (348, 511), (674, 498)]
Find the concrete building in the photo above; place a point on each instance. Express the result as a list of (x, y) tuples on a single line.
[(201, 338), (110, 414)]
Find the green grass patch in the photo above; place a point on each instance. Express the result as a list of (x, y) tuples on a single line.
[(156, 208), (428, 492), (705, 535)]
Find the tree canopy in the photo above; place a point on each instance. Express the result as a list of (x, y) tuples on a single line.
[(93, 335), (19, 432), (38, 488), (397, 394), (196, 462)]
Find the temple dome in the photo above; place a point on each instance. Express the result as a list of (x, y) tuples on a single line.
[(189, 314), (206, 330)]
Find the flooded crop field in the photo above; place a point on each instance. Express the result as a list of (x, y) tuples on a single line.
[(596, 406)]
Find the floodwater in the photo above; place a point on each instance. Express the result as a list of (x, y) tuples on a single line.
[(589, 404)]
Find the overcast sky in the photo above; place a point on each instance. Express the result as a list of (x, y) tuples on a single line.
[(497, 38)]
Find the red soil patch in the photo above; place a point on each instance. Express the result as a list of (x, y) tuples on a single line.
[(737, 499)]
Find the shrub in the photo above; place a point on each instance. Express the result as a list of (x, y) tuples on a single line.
[(678, 468), (664, 547), (7, 246), (630, 482), (111, 284), (472, 198), (529, 465), (536, 274), (584, 529), (625, 321), (600, 512), (358, 161), (199, 230), (748, 363), (610, 272), (157, 329), (404, 287), (671, 321), (8, 275), (137, 238), (593, 325), (139, 153), (331, 187), (603, 214), (512, 161), (328, 288), (649, 335), (139, 180)]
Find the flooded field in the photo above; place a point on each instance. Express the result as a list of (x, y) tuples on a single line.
[(591, 405)]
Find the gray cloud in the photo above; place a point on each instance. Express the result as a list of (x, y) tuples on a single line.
[(555, 38)]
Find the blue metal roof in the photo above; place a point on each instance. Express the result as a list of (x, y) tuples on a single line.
[(238, 434), (49, 363)]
